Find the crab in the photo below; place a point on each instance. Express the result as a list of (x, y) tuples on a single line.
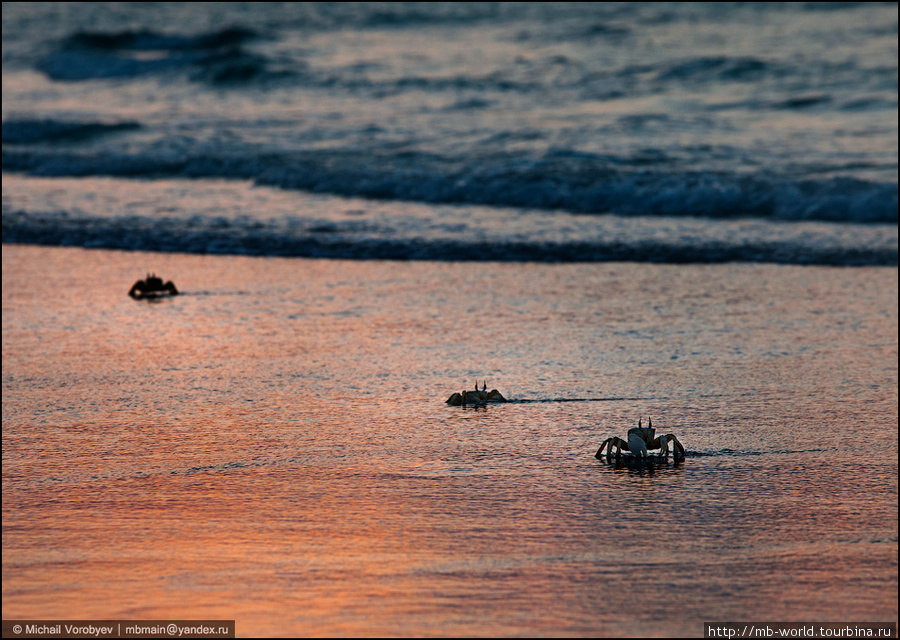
[(639, 440), (475, 397), (152, 287)]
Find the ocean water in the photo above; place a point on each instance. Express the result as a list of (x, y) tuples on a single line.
[(683, 212), (536, 131)]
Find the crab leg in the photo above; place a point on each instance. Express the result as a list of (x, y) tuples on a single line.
[(678, 449), (661, 443), (612, 443)]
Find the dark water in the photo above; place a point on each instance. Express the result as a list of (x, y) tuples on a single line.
[(588, 125), (273, 446)]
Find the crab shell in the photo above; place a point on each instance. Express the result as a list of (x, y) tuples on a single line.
[(475, 397), (152, 286)]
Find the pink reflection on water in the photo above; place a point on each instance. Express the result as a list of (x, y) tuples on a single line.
[(273, 446)]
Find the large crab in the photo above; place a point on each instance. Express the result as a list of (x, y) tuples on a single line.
[(152, 287), (640, 439), (475, 397)]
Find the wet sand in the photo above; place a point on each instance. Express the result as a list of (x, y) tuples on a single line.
[(273, 446)]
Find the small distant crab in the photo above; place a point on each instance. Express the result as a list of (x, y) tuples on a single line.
[(152, 287), (640, 439), (476, 397)]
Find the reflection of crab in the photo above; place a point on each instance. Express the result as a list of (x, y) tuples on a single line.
[(152, 287), (475, 397), (639, 440)]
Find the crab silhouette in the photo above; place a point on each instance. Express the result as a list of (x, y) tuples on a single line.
[(640, 439), (475, 397), (152, 287)]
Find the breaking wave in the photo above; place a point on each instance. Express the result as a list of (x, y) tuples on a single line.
[(561, 180)]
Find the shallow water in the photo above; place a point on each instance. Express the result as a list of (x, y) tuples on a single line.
[(273, 446)]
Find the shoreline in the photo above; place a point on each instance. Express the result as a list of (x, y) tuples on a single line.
[(354, 258), (238, 218)]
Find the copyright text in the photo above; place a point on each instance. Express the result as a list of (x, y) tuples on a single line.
[(118, 629)]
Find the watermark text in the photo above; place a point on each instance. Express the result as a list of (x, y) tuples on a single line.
[(767, 630), (118, 628)]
